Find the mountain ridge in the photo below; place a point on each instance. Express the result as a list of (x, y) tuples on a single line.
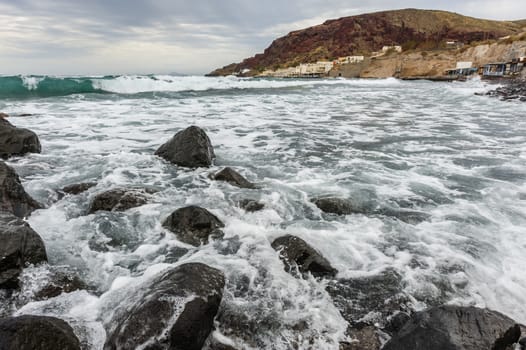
[(413, 29)]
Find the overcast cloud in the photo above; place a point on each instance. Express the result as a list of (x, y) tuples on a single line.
[(164, 36)]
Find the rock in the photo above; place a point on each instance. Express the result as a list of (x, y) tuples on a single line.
[(522, 343), (251, 205), (358, 299), (119, 199), (456, 328), (176, 311), (188, 148), (396, 322), (4, 115), (337, 206), (13, 196), (78, 188), (16, 141), (233, 177), (60, 283), (295, 252), (37, 332), (20, 246), (194, 225), (365, 338)]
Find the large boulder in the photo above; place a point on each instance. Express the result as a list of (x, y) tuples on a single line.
[(36, 332), (20, 246), (456, 328), (16, 141), (194, 225), (233, 177), (119, 199), (188, 148), (175, 312), (296, 253), (13, 197), (379, 295)]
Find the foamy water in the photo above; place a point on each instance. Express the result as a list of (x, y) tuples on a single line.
[(429, 147)]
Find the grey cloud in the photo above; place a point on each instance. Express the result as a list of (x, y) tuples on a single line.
[(225, 31)]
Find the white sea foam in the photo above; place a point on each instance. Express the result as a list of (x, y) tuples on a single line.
[(434, 148)]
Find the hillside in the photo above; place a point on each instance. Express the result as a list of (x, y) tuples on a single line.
[(363, 34)]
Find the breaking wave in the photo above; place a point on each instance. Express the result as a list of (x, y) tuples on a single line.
[(21, 86)]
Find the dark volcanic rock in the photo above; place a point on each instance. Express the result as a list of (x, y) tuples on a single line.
[(13, 196), (36, 332), (337, 206), (381, 295), (176, 311), (295, 252), (189, 148), (119, 199), (513, 90), (456, 328), (194, 225), (251, 205), (366, 339), (78, 188), (16, 141), (59, 283), (20, 246), (233, 177)]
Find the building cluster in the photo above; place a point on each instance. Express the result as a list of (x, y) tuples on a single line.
[(304, 70), (489, 70)]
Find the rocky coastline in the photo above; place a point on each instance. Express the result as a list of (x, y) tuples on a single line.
[(179, 307), (513, 90)]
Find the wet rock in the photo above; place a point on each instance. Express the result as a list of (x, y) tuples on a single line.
[(456, 328), (337, 206), (251, 205), (365, 338), (37, 332), (4, 115), (59, 283), (13, 197), (78, 188), (17, 141), (119, 199), (194, 225), (233, 177), (396, 322), (296, 253), (188, 148), (176, 311), (20, 246), (514, 89), (522, 343), (368, 300)]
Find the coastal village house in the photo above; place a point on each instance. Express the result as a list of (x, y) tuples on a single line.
[(504, 69), (349, 60), (462, 69)]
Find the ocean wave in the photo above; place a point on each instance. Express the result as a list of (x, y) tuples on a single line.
[(48, 86)]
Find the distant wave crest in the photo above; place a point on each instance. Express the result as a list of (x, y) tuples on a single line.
[(48, 86)]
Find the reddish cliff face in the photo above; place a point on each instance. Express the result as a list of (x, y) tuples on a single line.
[(363, 34)]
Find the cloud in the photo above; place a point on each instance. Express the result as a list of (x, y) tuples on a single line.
[(128, 36)]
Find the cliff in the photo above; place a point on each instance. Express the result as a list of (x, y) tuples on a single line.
[(360, 35)]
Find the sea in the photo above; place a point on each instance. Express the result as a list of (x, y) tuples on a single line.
[(435, 149)]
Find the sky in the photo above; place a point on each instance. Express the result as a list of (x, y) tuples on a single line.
[(94, 37)]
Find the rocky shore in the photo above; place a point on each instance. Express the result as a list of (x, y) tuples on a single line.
[(179, 307), (514, 90)]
